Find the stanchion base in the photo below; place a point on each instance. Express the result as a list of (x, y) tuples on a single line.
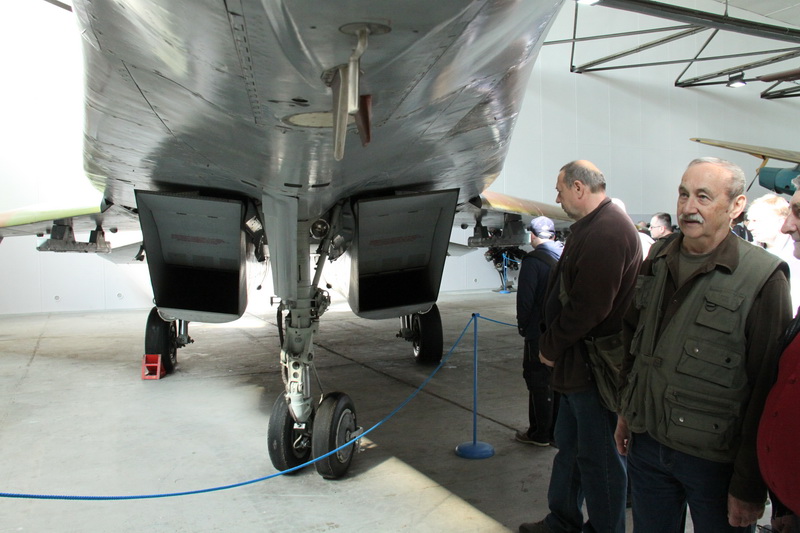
[(475, 450)]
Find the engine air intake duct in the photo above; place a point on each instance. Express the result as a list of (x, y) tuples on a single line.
[(398, 252), (195, 249)]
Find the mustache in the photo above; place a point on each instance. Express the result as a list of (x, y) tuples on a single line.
[(693, 217)]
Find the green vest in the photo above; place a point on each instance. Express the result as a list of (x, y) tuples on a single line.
[(689, 390)]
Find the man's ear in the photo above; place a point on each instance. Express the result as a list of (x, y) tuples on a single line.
[(580, 188), (739, 203)]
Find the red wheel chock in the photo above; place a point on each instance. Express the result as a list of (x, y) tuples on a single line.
[(151, 366)]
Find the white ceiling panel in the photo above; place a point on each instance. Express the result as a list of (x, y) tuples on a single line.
[(786, 11)]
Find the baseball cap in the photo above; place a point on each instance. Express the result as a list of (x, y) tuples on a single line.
[(542, 227)]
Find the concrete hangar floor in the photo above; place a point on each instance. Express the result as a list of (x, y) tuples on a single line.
[(76, 419)]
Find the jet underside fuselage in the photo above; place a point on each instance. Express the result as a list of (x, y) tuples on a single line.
[(231, 102)]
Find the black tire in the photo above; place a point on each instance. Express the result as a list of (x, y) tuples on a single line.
[(282, 437), (334, 424), (427, 330), (161, 337)]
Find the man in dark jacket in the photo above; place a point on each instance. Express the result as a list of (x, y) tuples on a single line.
[(532, 283), (587, 297)]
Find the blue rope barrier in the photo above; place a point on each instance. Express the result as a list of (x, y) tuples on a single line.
[(495, 321), (405, 402)]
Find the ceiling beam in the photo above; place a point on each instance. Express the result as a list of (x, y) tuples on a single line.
[(652, 44), (703, 18)]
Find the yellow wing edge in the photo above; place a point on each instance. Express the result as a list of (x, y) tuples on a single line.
[(762, 152)]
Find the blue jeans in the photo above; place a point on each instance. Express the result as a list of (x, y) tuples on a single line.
[(664, 480), (586, 467)]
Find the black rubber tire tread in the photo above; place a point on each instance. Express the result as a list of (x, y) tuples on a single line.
[(326, 435), (428, 349), (281, 436), (161, 337)]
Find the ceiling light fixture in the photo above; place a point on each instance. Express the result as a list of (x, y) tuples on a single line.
[(588, 2), (736, 80)]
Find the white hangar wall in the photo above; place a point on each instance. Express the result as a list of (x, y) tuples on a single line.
[(634, 124)]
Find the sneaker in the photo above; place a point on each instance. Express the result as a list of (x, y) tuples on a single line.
[(522, 436), (534, 527)]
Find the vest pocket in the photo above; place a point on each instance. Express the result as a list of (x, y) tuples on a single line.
[(709, 362), (720, 310), (700, 420)]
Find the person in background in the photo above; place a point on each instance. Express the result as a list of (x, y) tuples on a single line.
[(660, 226), (586, 297), (779, 430), (708, 315), (765, 217), (645, 239), (531, 284), (739, 229)]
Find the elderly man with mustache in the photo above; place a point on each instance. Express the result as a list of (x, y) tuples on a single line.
[(701, 339)]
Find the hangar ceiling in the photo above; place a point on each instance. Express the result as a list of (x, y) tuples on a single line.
[(768, 55), (787, 11)]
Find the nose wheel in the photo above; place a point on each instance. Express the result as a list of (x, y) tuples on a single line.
[(334, 425), (289, 443)]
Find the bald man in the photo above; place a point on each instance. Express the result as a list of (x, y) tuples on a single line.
[(586, 298)]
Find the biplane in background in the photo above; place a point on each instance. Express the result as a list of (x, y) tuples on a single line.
[(773, 178)]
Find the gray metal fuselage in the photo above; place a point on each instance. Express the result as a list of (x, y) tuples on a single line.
[(204, 95)]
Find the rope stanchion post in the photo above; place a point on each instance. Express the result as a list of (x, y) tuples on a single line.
[(475, 449)]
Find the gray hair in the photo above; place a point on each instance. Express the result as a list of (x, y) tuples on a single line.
[(735, 171), (574, 171), (796, 183)]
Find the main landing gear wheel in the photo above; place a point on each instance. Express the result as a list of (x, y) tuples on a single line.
[(334, 424), (288, 446), (427, 332), (162, 337)]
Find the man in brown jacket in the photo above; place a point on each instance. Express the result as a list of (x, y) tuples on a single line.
[(595, 279)]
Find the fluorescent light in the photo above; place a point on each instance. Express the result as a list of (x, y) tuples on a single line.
[(736, 80), (588, 2)]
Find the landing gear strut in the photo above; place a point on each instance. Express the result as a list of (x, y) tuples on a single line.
[(300, 427)]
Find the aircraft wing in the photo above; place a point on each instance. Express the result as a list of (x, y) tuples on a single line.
[(38, 219), (761, 152), (60, 223), (512, 204), (499, 219)]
